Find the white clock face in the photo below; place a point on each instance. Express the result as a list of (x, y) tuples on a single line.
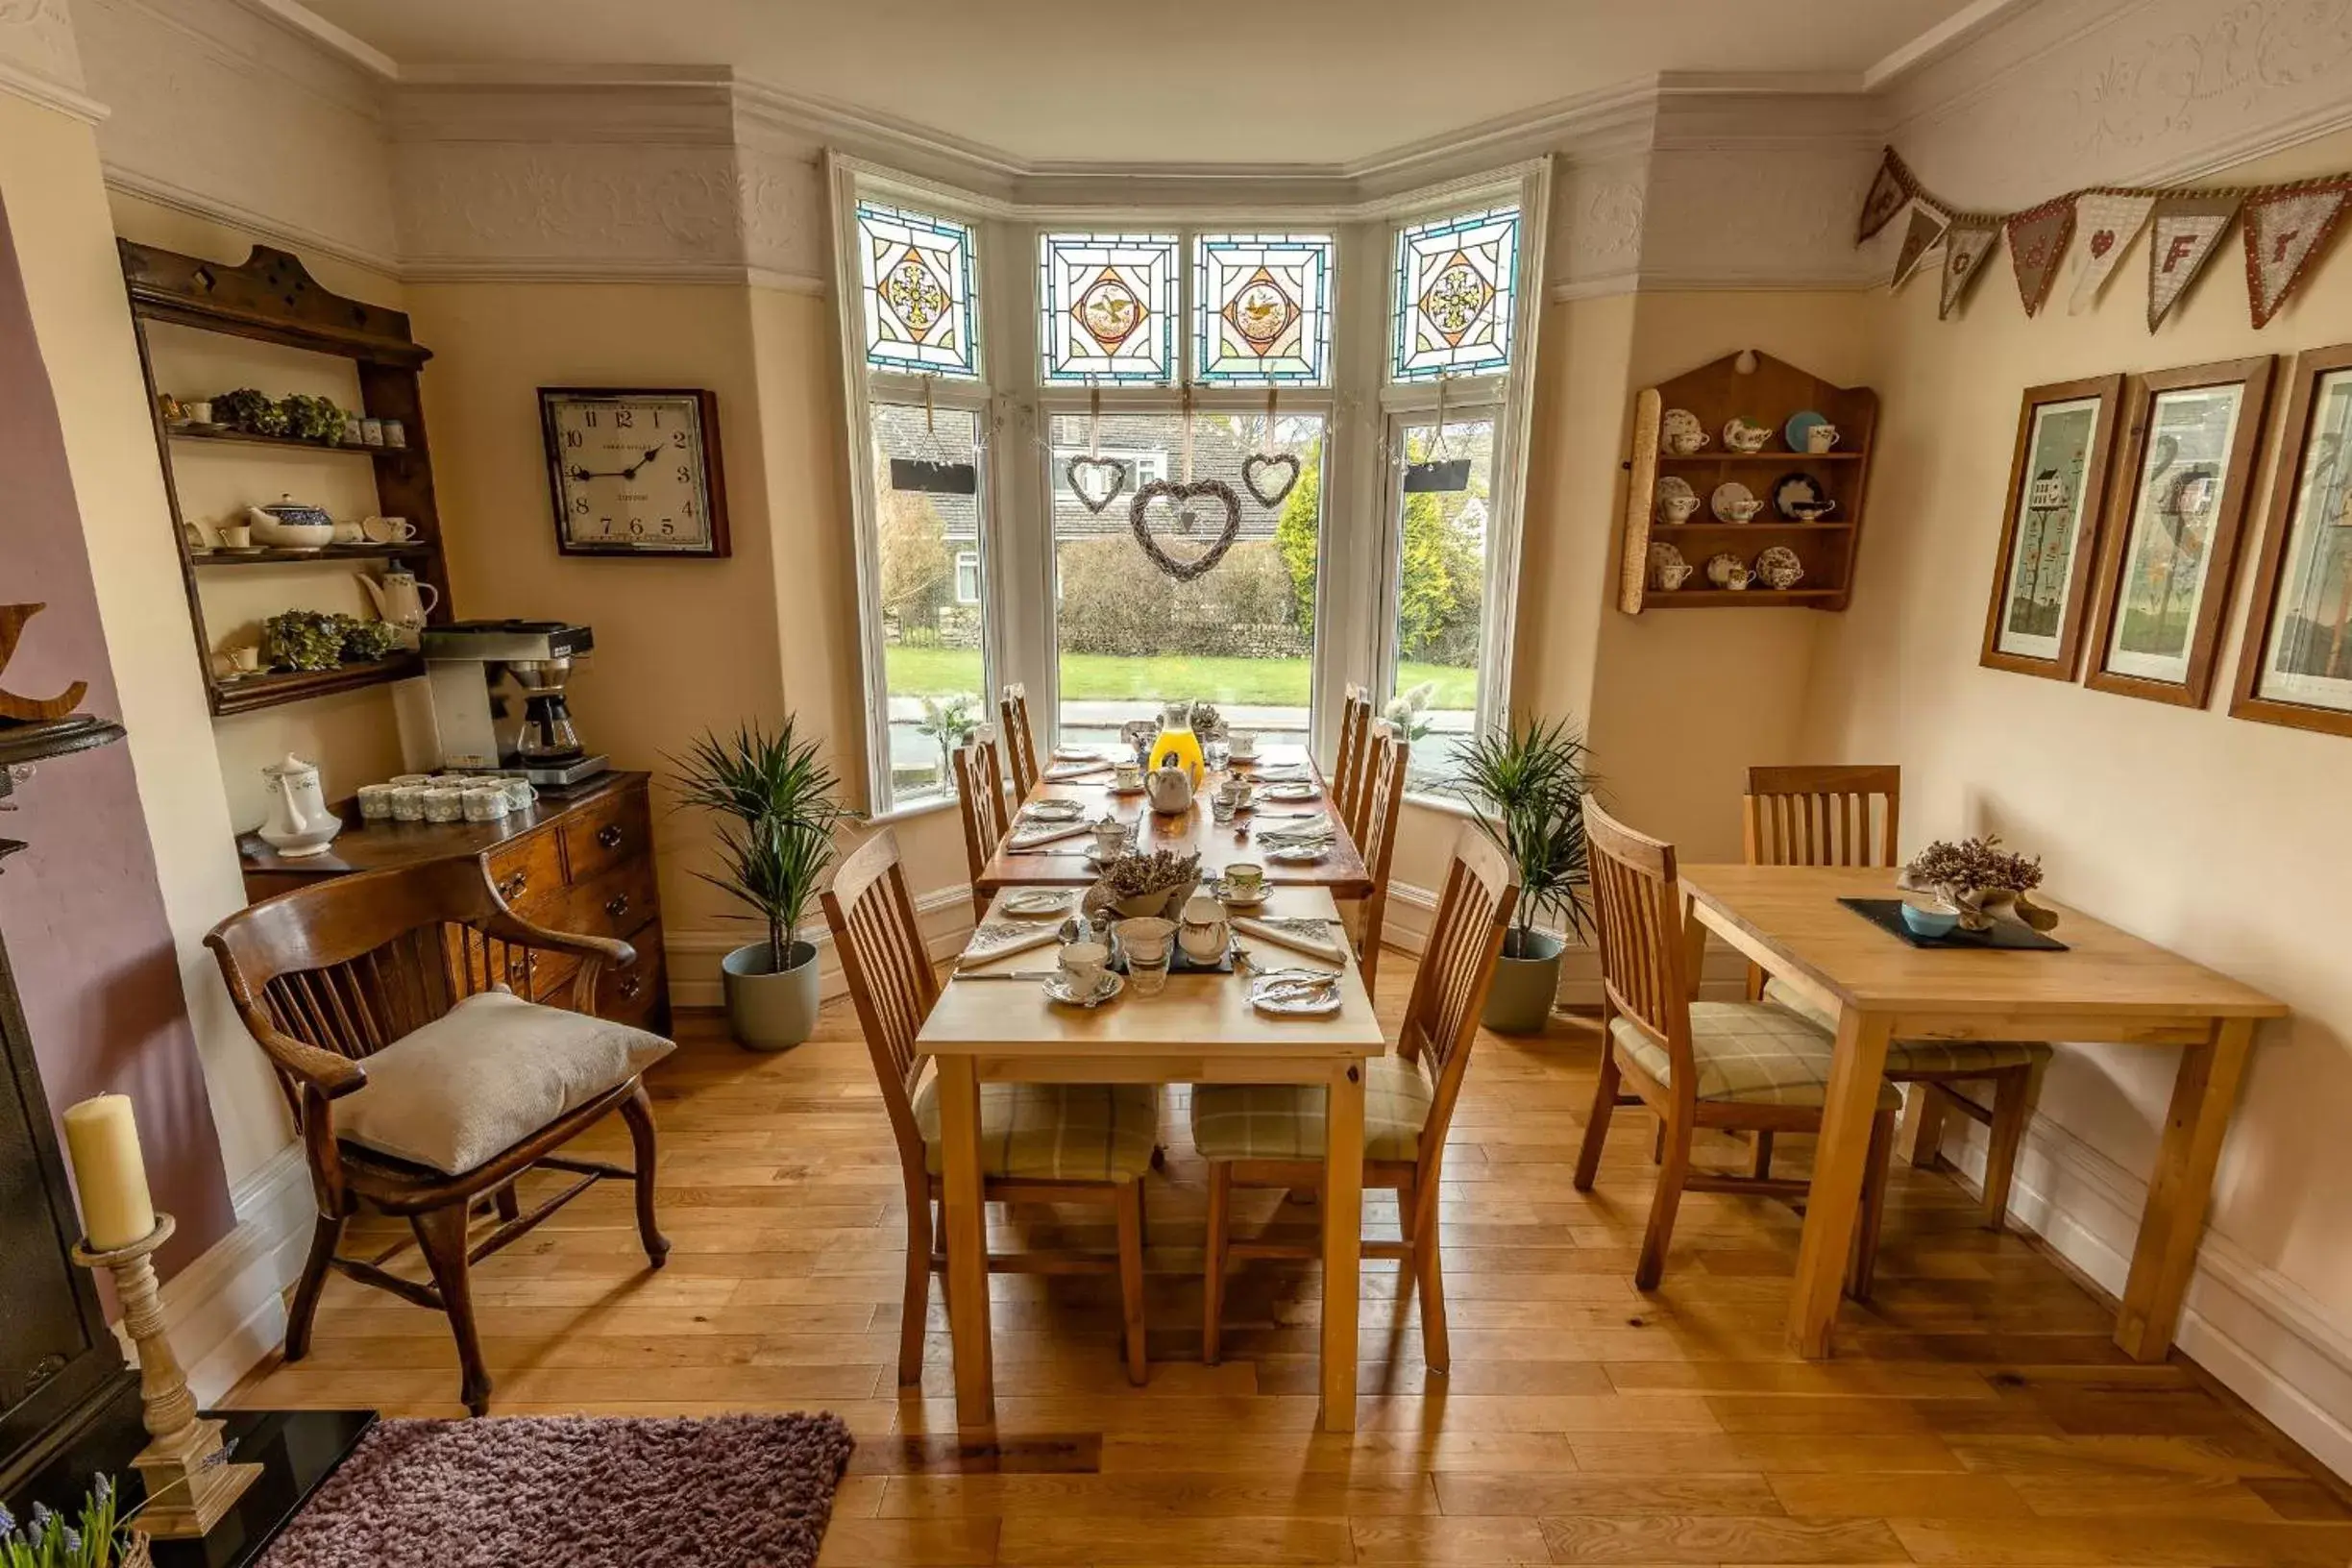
[(630, 472)]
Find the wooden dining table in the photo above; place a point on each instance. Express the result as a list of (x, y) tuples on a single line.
[(1200, 1029), (1064, 862), (2107, 986)]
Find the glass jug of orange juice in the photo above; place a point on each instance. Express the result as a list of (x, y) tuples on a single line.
[(1177, 744)]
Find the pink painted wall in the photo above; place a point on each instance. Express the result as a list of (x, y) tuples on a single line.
[(81, 908)]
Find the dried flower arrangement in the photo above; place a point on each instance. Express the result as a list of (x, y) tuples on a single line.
[(1135, 884), (1979, 879), (1207, 722)]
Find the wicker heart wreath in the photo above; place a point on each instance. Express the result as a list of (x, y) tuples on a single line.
[(1216, 490), (1115, 474), (1258, 464)]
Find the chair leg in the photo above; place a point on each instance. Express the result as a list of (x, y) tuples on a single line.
[(1673, 1171), (1657, 1144), (1410, 1266), (1129, 1201), (325, 1237), (1596, 1120), (1435, 1350), (2010, 1105), (1927, 1127), (1863, 1267), (509, 1201), (638, 1112), (915, 1301), (441, 1235), (1212, 1281), (1763, 1156)]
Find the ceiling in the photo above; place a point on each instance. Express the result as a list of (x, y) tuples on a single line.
[(1314, 82)]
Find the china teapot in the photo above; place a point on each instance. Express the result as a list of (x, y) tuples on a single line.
[(299, 826), (1170, 787), (401, 601)]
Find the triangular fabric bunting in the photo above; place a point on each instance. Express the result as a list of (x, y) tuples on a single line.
[(1890, 187), (2106, 222), (2285, 230), (1924, 234), (1964, 247), (2185, 231), (2037, 244)]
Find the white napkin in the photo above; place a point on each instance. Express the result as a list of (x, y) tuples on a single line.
[(1307, 832), (1080, 755), (1302, 936), (1075, 770), (1025, 836), (993, 940)]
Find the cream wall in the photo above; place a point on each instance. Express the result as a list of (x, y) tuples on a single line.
[(2223, 840)]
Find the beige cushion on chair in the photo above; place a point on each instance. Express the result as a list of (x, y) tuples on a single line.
[(1285, 1121), (1053, 1132), (1922, 1057), (1753, 1053), (484, 1076)]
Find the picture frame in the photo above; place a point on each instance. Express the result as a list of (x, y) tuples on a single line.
[(2169, 542), (2050, 529), (2301, 675)]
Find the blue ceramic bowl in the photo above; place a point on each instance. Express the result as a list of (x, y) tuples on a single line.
[(1924, 922)]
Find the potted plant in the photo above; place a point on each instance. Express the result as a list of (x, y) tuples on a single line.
[(1528, 784), (779, 808), (94, 1540)]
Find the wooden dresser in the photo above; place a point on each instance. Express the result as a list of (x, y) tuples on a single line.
[(584, 865)]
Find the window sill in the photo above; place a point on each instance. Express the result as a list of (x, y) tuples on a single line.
[(1441, 803), (909, 811)]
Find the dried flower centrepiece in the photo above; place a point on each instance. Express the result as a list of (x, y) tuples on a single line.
[(1130, 884), (1981, 880)]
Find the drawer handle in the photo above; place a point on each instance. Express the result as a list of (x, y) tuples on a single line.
[(608, 837), (617, 905), (512, 887), (631, 986)]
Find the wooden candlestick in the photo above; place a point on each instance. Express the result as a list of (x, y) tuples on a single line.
[(189, 1482)]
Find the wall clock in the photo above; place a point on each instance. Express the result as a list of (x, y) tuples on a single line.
[(635, 471)]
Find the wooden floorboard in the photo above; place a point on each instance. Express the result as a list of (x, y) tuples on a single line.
[(1976, 1414)]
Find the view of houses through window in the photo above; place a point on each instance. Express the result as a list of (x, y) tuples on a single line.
[(929, 583)]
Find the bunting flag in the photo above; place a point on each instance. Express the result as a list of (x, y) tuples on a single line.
[(2106, 223), (1924, 234), (1966, 245), (2284, 231), (1890, 187), (2037, 243), (2181, 237)]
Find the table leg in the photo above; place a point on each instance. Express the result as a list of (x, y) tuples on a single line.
[(1343, 1156), (1840, 1159), (2203, 1095), (966, 1235), (1694, 951)]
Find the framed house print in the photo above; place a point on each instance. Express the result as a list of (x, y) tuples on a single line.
[(2050, 535), (2172, 534), (2296, 665)]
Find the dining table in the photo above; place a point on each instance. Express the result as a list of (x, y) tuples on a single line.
[(1087, 778), (1201, 1028), (2106, 985)]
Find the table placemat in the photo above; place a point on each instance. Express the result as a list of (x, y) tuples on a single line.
[(1886, 914)]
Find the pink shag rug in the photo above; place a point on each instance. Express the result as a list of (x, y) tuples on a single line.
[(732, 1492)]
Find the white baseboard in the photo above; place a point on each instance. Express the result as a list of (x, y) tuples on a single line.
[(1406, 927), (945, 915), (226, 1310), (2246, 1323)]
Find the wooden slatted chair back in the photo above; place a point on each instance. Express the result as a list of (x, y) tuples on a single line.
[(1822, 816), (1347, 776), (1457, 966), (980, 800), (1384, 816), (1019, 741), (889, 971), (1637, 905)]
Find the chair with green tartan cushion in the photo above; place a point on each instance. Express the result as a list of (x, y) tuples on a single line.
[(1038, 1142), (1271, 1134), (1752, 1066)]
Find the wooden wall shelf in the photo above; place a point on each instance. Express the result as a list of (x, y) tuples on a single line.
[(1767, 393), (271, 298)]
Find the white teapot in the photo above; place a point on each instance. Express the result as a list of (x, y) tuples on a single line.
[(299, 826), (1170, 787)]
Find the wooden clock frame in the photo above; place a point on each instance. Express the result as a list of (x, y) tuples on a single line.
[(714, 473)]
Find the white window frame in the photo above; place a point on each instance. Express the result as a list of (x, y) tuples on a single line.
[(968, 560)]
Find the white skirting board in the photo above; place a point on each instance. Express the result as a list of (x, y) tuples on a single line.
[(945, 914), (226, 1310)]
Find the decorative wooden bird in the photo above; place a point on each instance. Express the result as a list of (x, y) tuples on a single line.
[(15, 709)]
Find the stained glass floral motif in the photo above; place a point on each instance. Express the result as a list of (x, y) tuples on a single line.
[(918, 286), (1109, 307), (1454, 295), (1262, 308)]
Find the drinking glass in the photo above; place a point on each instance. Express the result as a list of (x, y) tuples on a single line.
[(1221, 808), (1219, 755), (1149, 975)]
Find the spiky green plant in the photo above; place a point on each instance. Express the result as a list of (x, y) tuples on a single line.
[(47, 1540), (783, 801), (1527, 783)]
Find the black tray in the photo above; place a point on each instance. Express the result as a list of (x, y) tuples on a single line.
[(1886, 914), (1180, 961)]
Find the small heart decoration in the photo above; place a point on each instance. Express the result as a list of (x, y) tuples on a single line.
[(1214, 490), (1258, 464), (2102, 242), (1113, 475)]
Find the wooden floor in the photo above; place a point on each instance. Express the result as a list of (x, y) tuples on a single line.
[(1978, 1413)]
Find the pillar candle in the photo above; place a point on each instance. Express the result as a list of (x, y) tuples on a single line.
[(102, 1141)]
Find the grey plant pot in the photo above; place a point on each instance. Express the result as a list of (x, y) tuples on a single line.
[(1525, 982), (770, 1010)]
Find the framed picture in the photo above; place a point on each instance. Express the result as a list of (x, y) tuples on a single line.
[(2297, 665), (2050, 535), (635, 471), (2171, 534)]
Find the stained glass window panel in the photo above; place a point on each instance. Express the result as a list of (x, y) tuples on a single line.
[(1109, 307), (1262, 308), (918, 286), (1454, 299)]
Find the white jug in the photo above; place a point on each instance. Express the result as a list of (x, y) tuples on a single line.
[(1170, 787), (299, 826), (401, 601)]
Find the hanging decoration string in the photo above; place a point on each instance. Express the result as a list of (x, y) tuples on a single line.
[(1266, 444), (1094, 418), (1438, 441), (1188, 432), (1268, 475)]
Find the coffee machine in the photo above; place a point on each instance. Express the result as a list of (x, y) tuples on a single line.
[(468, 665)]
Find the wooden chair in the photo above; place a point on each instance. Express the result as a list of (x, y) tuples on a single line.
[(1038, 1142), (1384, 816), (330, 974), (1348, 777), (1822, 815), (1020, 741), (1271, 1134), (1749, 1067), (980, 800)]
